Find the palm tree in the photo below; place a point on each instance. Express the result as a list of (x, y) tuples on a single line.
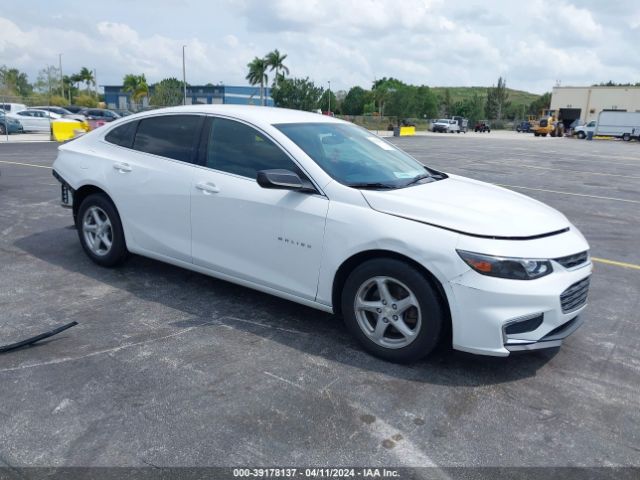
[(275, 61), (136, 85), (258, 75), (86, 76)]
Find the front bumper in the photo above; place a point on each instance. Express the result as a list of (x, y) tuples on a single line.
[(487, 306)]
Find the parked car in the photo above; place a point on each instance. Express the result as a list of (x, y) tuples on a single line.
[(9, 124), (75, 108), (325, 213), (122, 112), (524, 127), (582, 131), (624, 125), (445, 125), (100, 114), (40, 120), (12, 107), (63, 112), (482, 126), (35, 120)]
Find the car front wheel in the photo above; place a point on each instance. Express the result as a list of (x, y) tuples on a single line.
[(391, 308), (100, 230)]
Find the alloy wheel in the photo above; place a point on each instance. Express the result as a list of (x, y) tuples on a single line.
[(97, 231), (387, 312)]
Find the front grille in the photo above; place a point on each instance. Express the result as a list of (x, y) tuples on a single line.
[(574, 260), (575, 296)]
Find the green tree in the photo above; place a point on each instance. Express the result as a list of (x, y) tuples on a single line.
[(48, 80), (427, 102), (167, 93), (471, 108), (446, 104), (402, 102), (354, 102), (14, 82), (324, 103), (275, 61), (541, 103), (497, 100), (258, 75), (297, 93), (136, 86), (86, 76)]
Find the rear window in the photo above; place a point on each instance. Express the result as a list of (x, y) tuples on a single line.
[(122, 135), (171, 136)]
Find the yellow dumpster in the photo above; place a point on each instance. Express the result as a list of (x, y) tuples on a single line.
[(64, 129), (407, 131)]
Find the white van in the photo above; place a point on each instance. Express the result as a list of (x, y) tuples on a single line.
[(13, 107)]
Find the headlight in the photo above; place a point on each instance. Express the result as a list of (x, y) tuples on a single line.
[(506, 267)]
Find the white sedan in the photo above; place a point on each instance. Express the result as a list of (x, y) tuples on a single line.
[(322, 212), (35, 120)]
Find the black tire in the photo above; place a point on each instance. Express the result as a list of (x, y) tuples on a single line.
[(118, 251), (581, 135), (432, 317), (626, 137)]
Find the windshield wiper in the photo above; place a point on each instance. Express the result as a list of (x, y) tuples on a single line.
[(417, 178), (372, 185)]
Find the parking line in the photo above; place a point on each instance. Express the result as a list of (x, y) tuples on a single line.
[(556, 169), (568, 193), (615, 263), (26, 164)]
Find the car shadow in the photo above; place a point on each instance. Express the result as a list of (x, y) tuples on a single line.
[(307, 330)]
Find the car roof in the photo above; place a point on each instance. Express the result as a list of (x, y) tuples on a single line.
[(249, 113)]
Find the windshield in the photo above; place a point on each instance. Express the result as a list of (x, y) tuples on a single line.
[(443, 120), (355, 157)]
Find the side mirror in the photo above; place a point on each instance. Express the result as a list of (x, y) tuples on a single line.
[(284, 180)]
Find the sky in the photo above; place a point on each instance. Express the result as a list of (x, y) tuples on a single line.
[(533, 44)]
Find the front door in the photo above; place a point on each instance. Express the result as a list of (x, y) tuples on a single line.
[(270, 237)]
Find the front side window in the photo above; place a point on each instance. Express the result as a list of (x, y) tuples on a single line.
[(237, 148), (171, 136), (353, 156)]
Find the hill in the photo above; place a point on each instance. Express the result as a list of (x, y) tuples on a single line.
[(516, 97)]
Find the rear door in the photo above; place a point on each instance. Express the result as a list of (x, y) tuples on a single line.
[(150, 181), (270, 237)]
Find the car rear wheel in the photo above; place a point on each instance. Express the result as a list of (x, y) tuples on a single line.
[(626, 137), (393, 311), (100, 230)]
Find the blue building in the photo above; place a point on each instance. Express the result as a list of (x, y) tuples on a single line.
[(209, 94)]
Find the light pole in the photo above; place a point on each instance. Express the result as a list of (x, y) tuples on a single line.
[(61, 77), (329, 97), (184, 77)]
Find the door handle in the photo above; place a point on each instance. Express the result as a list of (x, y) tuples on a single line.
[(207, 187), (122, 167)]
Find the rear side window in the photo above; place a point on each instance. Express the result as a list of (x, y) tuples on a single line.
[(240, 149), (122, 135), (171, 136)]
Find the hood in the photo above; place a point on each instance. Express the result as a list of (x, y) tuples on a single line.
[(469, 206)]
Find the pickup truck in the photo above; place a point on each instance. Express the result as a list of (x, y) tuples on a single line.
[(583, 130), (445, 125)]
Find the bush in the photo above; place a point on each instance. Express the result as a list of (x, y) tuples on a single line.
[(58, 101), (85, 100)]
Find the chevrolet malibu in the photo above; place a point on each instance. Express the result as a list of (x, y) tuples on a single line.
[(324, 213)]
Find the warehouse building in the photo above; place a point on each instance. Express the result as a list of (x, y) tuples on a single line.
[(115, 97), (586, 103)]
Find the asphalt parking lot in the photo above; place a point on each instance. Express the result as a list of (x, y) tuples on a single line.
[(172, 368)]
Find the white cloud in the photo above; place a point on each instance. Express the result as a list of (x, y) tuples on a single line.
[(434, 42)]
